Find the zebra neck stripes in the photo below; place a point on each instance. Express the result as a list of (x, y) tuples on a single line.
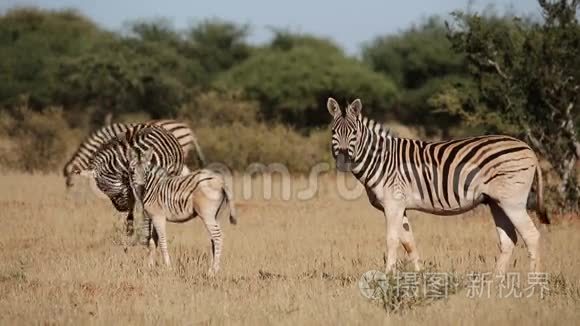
[(372, 152)]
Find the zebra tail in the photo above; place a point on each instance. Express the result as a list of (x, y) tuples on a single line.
[(542, 212), (229, 198)]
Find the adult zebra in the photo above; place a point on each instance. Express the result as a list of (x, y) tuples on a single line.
[(86, 150), (443, 178), (110, 164)]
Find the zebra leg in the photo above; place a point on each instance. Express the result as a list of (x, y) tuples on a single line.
[(129, 229), (407, 238), (394, 212), (215, 233), (408, 242), (525, 226), (159, 222), (506, 233), (153, 242), (216, 246)]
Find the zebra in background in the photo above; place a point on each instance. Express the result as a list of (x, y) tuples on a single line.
[(442, 178), (110, 164), (86, 150), (179, 199)]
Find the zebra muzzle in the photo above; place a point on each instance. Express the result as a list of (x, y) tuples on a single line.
[(343, 162), (139, 192), (69, 182)]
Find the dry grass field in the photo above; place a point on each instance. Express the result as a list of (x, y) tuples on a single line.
[(286, 262)]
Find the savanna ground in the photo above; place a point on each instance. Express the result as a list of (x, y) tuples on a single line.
[(286, 262)]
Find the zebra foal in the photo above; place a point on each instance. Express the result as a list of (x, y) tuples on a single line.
[(178, 199), (442, 178)]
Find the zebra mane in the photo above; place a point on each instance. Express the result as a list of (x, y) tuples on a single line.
[(115, 145), (124, 139), (87, 148), (377, 127)]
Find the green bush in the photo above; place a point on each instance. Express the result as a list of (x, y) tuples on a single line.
[(293, 86)]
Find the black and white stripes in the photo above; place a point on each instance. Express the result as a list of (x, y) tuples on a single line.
[(142, 171), (164, 197), (443, 178), (110, 164), (87, 149)]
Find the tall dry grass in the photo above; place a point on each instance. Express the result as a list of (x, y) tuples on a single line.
[(286, 262)]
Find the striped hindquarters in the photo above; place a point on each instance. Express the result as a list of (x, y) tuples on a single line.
[(184, 135), (452, 175)]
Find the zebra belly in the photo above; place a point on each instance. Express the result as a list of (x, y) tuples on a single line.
[(453, 210), (175, 212), (180, 218)]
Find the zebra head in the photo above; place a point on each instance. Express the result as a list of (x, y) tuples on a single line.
[(72, 169), (139, 166), (345, 128)]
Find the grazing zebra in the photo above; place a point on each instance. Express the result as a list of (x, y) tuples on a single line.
[(179, 199), (110, 164), (80, 160), (443, 178)]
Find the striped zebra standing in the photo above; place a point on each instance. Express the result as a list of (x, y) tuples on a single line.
[(80, 159), (443, 178), (179, 199), (110, 164)]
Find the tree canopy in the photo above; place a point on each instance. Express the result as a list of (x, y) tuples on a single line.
[(293, 85), (526, 82), (421, 62)]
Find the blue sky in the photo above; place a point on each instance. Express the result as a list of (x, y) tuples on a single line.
[(349, 23)]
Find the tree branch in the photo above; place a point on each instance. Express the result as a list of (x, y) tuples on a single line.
[(497, 68), (570, 129), (536, 143)]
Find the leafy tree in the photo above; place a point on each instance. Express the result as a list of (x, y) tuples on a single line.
[(117, 80), (291, 86), (32, 44), (416, 55), (218, 45), (157, 31), (158, 41), (421, 62), (526, 83), (286, 40)]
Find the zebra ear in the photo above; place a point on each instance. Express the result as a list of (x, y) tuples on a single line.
[(333, 107), (355, 107)]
